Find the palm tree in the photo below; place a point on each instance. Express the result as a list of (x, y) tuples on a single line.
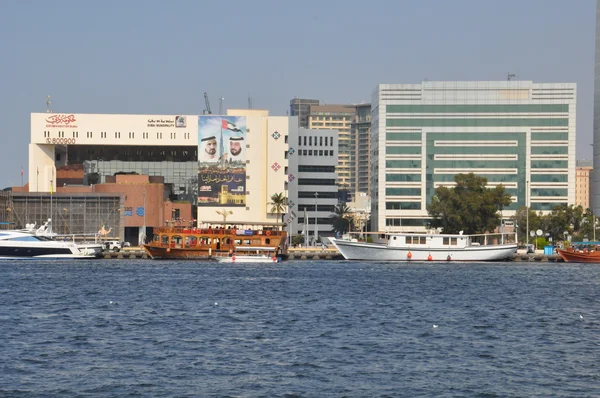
[(340, 219), (224, 213), (278, 204)]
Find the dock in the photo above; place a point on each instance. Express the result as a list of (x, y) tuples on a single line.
[(309, 253)]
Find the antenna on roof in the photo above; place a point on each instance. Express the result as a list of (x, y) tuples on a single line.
[(48, 102)]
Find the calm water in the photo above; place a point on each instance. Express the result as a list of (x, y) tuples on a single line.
[(117, 328)]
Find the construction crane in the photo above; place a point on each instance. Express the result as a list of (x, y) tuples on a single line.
[(207, 110)]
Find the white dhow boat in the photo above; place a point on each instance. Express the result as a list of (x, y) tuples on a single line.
[(429, 247), (22, 244)]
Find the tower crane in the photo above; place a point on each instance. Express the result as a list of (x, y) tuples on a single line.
[(207, 110)]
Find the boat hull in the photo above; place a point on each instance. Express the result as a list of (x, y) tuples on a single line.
[(178, 253), (579, 257), (381, 252), (248, 259)]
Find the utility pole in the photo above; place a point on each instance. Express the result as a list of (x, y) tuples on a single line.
[(316, 219), (527, 210)]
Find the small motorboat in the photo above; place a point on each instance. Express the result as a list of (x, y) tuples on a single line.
[(251, 255)]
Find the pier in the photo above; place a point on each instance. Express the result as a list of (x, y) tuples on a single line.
[(309, 253)]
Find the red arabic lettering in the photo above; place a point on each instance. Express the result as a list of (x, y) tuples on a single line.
[(61, 119)]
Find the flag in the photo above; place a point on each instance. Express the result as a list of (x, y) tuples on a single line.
[(229, 126)]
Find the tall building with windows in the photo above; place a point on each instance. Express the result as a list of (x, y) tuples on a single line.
[(516, 133), (582, 183), (360, 133), (312, 189), (301, 107), (339, 118)]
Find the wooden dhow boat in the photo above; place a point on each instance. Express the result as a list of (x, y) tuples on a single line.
[(581, 252), (214, 239)]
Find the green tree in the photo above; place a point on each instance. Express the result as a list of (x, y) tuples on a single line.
[(469, 206), (278, 205), (340, 219)]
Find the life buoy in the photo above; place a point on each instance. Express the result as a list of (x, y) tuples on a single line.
[(268, 233), (448, 258), (274, 258), (233, 258), (409, 255), (429, 258)]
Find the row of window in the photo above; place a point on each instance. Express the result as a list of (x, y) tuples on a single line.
[(90, 134), (322, 141), (310, 152)]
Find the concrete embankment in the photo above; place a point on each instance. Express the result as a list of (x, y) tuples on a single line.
[(327, 254)]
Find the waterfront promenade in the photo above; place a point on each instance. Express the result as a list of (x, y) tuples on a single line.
[(310, 253)]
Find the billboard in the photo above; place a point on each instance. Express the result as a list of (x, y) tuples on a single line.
[(221, 161)]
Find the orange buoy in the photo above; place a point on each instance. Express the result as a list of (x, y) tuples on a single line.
[(274, 258), (429, 258), (268, 233), (448, 258), (233, 258), (409, 255)]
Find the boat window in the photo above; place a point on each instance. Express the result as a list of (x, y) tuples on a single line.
[(446, 241), (156, 238), (194, 241), (453, 241), (165, 239), (176, 239), (25, 238), (416, 240), (237, 242), (205, 240), (267, 241), (247, 242)]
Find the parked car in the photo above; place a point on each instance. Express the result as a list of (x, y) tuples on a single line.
[(113, 245)]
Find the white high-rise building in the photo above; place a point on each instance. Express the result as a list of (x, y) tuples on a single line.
[(516, 133)]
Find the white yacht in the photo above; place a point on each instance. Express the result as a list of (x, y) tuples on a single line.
[(22, 245), (429, 247)]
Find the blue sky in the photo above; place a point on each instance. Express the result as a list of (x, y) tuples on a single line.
[(152, 57)]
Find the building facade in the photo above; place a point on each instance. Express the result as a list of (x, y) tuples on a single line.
[(312, 187), (248, 167), (339, 118), (582, 183), (300, 107), (360, 131), (516, 133)]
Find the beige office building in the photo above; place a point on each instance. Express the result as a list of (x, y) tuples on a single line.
[(582, 183)]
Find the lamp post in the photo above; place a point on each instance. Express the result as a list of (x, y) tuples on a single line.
[(527, 210), (316, 219), (144, 227)]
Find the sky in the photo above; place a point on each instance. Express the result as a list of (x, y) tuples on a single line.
[(158, 57)]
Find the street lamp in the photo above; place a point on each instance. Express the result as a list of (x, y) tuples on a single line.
[(527, 210), (144, 227), (316, 219)]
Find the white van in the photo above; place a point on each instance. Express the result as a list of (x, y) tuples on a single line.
[(113, 245)]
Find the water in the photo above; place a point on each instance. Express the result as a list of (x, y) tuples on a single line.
[(117, 328)]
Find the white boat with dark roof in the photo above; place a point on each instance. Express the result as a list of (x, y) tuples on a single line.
[(26, 245), (429, 247)]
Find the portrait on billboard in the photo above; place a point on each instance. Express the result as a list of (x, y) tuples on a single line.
[(180, 121), (221, 161)]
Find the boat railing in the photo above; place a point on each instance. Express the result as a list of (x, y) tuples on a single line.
[(219, 231)]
